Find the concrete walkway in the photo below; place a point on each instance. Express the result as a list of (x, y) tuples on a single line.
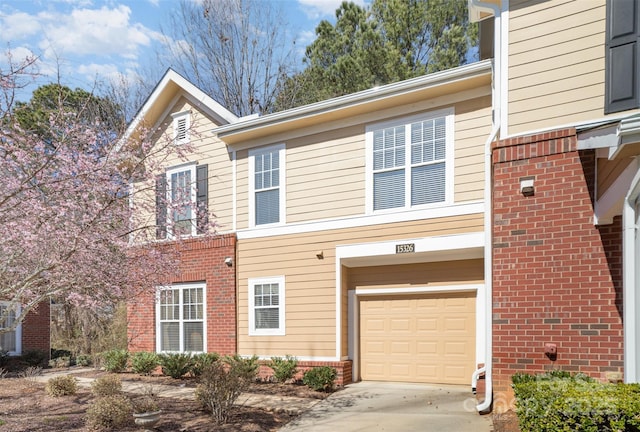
[(397, 407), (288, 404)]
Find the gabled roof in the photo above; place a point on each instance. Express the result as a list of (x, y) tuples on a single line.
[(166, 92)]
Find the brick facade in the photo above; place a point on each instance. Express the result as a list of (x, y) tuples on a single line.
[(201, 260), (36, 330), (557, 278), (343, 370)]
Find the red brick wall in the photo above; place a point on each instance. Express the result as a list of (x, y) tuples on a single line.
[(36, 329), (557, 278), (200, 260), (343, 370)]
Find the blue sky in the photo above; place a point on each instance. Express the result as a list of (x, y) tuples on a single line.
[(81, 40)]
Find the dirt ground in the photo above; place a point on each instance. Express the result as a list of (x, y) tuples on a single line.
[(25, 406), (506, 422)]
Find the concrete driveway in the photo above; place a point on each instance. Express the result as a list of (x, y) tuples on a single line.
[(398, 407)]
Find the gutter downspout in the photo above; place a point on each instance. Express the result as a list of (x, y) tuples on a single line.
[(485, 406), (629, 280)]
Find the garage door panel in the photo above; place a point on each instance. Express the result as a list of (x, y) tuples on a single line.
[(421, 338)]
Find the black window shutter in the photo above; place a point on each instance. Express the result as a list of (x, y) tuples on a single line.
[(622, 58), (202, 192), (161, 206)]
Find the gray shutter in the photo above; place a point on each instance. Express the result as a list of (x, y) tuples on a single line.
[(622, 56), (161, 206), (202, 194)]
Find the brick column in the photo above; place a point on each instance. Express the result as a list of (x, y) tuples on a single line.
[(557, 278)]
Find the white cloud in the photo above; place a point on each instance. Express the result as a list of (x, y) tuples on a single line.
[(18, 26)]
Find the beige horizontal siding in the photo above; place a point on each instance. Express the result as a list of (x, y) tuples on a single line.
[(310, 285), (556, 63)]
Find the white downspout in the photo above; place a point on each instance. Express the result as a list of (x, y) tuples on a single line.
[(629, 282), (488, 214)]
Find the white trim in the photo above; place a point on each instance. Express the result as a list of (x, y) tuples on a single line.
[(432, 80), (18, 330), (417, 290), (354, 298), (448, 115), (282, 191), (631, 288), (280, 331), (191, 167), (467, 208), (451, 243), (234, 191), (181, 287)]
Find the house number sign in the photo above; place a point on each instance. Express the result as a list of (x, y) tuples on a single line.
[(405, 248)]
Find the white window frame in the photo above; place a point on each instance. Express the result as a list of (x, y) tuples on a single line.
[(280, 331), (448, 114), (177, 118), (18, 331), (280, 148), (194, 222), (181, 288)]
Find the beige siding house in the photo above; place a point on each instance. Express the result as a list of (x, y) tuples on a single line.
[(360, 229)]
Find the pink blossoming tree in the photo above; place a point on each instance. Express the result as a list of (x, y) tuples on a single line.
[(73, 228)]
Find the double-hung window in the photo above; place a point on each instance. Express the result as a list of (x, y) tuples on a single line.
[(409, 162), (266, 306), (181, 201), (9, 341), (180, 318), (181, 126), (267, 186)]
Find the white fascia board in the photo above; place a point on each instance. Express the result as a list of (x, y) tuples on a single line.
[(193, 93), (366, 96), (444, 243)]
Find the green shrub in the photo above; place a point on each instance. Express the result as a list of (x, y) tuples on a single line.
[(320, 378), (109, 413), (202, 361), (176, 364), (556, 402), (35, 357), (106, 385), (83, 360), (144, 363), (56, 353), (115, 360), (219, 388), (283, 368), (244, 367), (4, 357), (63, 385)]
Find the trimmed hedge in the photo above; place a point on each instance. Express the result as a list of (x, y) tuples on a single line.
[(558, 401)]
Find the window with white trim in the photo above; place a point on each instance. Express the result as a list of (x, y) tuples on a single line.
[(8, 340), (180, 318), (266, 306), (181, 190), (267, 178), (409, 162), (181, 125)]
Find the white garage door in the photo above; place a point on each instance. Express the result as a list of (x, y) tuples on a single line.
[(429, 339)]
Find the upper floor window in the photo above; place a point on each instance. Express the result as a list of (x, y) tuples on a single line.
[(181, 201), (9, 340), (180, 318), (181, 125), (410, 162), (267, 175)]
